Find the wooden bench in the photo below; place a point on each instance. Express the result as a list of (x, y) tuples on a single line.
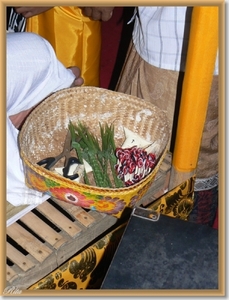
[(43, 239)]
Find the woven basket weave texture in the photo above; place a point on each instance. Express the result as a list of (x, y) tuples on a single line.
[(44, 131)]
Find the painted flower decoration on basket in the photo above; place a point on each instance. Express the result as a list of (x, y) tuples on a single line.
[(99, 163), (89, 201)]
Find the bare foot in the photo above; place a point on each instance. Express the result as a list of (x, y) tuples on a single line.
[(78, 80)]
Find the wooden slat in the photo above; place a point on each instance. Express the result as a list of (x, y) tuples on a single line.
[(43, 230), (10, 274), (12, 210), (59, 219), (29, 242), (77, 212), (67, 206), (84, 218), (18, 258)]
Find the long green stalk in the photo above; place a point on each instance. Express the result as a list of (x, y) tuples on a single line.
[(100, 159)]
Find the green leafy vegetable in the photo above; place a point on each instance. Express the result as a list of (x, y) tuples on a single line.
[(101, 159)]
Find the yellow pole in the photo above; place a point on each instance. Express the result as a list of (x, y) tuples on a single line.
[(201, 57)]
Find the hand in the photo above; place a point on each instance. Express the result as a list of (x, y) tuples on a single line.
[(98, 13), (78, 81), (29, 12)]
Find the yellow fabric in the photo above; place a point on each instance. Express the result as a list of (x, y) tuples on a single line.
[(177, 203), (75, 38), (201, 57)]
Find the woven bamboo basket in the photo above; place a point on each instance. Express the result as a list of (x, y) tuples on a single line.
[(44, 131)]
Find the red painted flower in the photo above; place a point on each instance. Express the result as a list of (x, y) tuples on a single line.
[(70, 196)]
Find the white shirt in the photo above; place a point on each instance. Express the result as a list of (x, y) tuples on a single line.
[(160, 36), (33, 72)]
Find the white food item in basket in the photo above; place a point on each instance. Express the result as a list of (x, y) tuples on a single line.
[(76, 168), (134, 139), (154, 148)]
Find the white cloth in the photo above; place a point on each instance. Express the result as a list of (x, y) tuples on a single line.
[(161, 35), (33, 72)]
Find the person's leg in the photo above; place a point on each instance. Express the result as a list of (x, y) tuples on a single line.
[(140, 79), (205, 206), (159, 86), (19, 118), (33, 73), (206, 186)]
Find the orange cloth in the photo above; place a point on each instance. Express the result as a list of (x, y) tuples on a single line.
[(201, 57), (75, 38)]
